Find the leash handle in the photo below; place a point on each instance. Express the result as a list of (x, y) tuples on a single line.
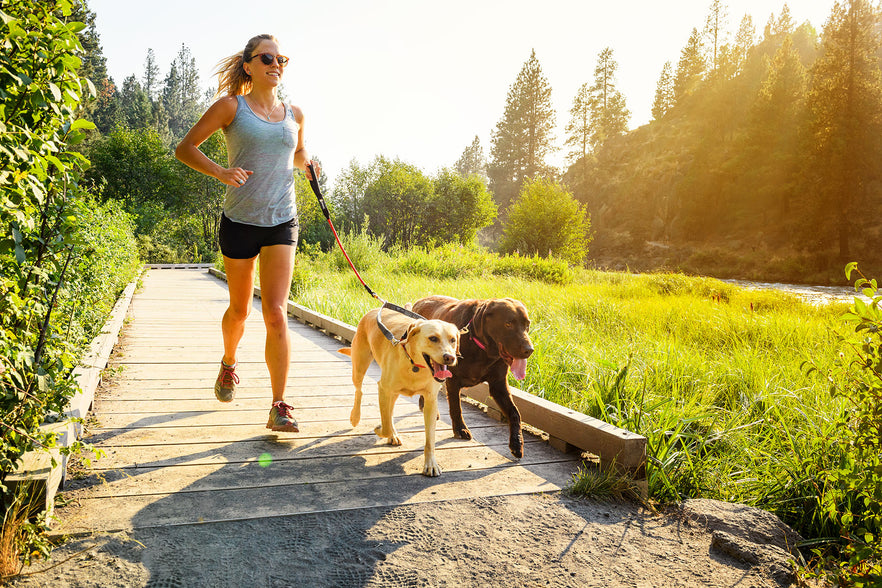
[(313, 182)]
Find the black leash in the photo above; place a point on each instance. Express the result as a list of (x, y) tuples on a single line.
[(313, 182)]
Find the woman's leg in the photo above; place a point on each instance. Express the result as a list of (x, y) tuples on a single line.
[(276, 267), (240, 279)]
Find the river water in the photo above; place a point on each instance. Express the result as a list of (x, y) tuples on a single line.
[(811, 294)]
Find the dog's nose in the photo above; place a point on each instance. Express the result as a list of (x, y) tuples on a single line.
[(528, 351), (449, 359)]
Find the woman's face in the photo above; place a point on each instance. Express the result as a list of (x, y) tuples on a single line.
[(262, 74)]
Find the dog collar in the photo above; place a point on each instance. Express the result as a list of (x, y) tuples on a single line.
[(473, 338), (416, 367)]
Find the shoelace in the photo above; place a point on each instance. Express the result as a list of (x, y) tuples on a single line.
[(284, 409), (228, 376)]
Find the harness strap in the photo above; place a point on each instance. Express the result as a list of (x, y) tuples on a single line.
[(386, 332)]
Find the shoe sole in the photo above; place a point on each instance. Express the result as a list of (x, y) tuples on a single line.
[(292, 428), (216, 395)]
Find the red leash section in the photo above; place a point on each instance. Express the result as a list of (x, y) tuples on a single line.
[(313, 182)]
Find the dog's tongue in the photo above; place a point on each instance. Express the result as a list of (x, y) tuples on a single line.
[(518, 368), (441, 372)]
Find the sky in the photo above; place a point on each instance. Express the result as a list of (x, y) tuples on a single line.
[(418, 80)]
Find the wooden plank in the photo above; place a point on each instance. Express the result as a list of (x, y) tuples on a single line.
[(293, 497), (234, 433), (208, 372), (241, 416), (369, 460), (363, 443), (610, 443)]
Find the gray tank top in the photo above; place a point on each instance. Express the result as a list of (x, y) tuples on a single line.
[(267, 148)]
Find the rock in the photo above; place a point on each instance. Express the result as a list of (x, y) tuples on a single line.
[(747, 534)]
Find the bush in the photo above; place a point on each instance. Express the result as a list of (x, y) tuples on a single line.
[(546, 220), (56, 244), (851, 494)]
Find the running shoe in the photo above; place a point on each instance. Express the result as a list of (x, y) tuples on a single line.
[(225, 386), (280, 418)]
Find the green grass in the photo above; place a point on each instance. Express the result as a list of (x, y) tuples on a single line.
[(710, 373)]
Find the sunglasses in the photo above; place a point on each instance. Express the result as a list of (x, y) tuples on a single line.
[(268, 58)]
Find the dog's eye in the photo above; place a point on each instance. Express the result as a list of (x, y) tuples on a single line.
[(434, 339), (508, 325)]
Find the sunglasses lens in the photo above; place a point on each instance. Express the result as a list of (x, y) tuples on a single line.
[(266, 58), (283, 61)]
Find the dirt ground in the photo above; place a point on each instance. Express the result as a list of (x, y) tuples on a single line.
[(526, 540)]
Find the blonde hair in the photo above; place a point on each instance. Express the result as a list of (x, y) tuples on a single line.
[(231, 77)]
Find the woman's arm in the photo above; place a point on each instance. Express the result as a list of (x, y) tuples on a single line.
[(218, 116)]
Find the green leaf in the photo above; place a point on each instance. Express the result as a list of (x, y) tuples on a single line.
[(850, 268), (82, 123)]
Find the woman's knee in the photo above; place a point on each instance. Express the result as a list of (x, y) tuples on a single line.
[(275, 317), (238, 314)]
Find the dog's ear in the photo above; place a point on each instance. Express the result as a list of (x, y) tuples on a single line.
[(478, 320), (412, 330)]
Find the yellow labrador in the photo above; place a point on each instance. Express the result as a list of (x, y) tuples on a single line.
[(416, 365)]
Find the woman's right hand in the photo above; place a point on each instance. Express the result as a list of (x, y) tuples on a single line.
[(234, 176)]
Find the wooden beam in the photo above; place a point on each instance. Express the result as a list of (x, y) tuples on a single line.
[(612, 444)]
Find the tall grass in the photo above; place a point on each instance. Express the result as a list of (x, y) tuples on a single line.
[(710, 373)]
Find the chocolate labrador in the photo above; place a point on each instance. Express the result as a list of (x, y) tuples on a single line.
[(497, 341)]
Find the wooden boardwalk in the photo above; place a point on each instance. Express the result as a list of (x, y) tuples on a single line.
[(174, 455)]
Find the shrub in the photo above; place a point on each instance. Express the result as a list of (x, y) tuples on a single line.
[(851, 494), (56, 245), (546, 220)]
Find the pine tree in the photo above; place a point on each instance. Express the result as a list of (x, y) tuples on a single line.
[(523, 138), (101, 108), (609, 115), (784, 25), (690, 69), (136, 111), (151, 75), (664, 93), (579, 128), (845, 104), (472, 162), (745, 39), (714, 34), (776, 119), (181, 94)]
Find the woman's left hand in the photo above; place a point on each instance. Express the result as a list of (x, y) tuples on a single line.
[(313, 164)]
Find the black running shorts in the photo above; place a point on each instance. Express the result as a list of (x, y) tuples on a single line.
[(241, 241)]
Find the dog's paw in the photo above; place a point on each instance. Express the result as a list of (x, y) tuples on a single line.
[(462, 433), (432, 469), (355, 417), (395, 440), (517, 447)]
